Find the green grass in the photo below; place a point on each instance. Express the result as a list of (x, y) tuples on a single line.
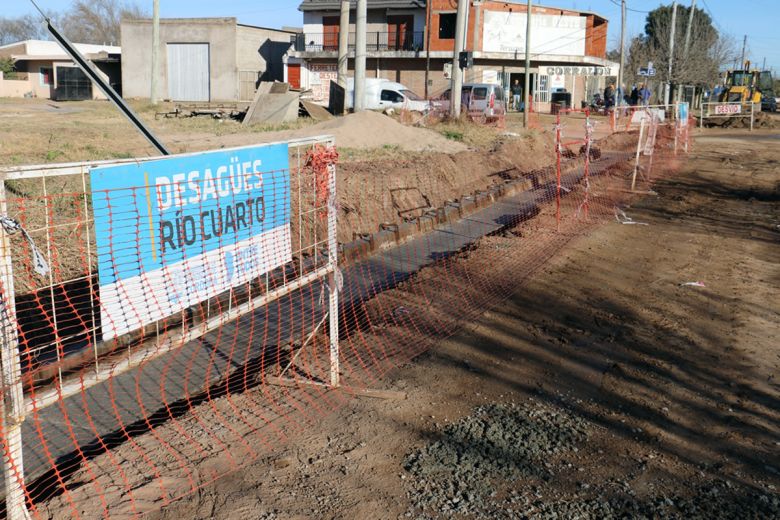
[(53, 155), (453, 135)]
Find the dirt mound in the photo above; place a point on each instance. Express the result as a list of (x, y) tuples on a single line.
[(365, 130), (765, 120), (531, 151), (761, 120), (619, 142), (389, 191), (374, 130)]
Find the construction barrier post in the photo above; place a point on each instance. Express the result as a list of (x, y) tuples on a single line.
[(558, 150), (752, 115), (676, 126), (13, 409), (334, 278), (588, 138), (651, 136), (638, 151)]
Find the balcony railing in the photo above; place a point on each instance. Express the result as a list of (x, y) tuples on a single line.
[(375, 42)]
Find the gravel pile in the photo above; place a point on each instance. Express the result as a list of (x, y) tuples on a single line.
[(461, 472), (500, 462), (717, 500)]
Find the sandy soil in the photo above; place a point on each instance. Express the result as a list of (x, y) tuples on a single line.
[(94, 130), (677, 383), (680, 382), (364, 130)]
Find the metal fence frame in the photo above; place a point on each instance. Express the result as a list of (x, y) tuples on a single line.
[(16, 405), (705, 112)]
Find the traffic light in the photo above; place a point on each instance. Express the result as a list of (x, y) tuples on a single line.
[(466, 59)]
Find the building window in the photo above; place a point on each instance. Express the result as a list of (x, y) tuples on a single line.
[(47, 76), (447, 24)]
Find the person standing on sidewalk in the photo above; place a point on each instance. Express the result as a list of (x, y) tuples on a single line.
[(517, 95)]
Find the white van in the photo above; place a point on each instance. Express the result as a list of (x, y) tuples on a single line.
[(382, 94), (479, 99)]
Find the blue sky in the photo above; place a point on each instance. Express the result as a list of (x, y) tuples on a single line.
[(757, 18)]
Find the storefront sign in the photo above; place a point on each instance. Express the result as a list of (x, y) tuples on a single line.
[(579, 71)]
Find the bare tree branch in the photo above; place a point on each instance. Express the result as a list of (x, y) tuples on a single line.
[(26, 27), (98, 21), (700, 65)]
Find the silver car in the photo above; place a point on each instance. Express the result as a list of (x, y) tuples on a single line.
[(479, 100)]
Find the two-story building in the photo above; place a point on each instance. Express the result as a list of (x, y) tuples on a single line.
[(412, 42)]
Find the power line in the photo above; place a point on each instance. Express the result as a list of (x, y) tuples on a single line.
[(712, 16), (628, 8)]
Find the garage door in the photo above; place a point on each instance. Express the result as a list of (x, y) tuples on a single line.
[(188, 72)]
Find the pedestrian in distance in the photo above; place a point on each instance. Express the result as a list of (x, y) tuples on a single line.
[(517, 95), (634, 98), (609, 97), (645, 95)]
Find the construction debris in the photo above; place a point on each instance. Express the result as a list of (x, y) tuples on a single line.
[(273, 103), (315, 111), (273, 108), (220, 111)]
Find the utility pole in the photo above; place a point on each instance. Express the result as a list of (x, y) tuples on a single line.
[(668, 89), (359, 103), (622, 44), (343, 66), (155, 50), (744, 44), (456, 94), (527, 82), (688, 29)]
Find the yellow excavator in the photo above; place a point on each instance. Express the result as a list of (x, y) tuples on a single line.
[(748, 86)]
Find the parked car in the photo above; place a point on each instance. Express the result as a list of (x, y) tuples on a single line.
[(382, 94), (484, 100)]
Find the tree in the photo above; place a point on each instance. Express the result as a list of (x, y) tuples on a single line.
[(26, 27), (7, 68), (98, 21), (700, 65)]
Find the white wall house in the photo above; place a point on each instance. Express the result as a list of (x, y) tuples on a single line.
[(44, 70)]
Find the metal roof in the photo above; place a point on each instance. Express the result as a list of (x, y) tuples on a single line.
[(317, 5)]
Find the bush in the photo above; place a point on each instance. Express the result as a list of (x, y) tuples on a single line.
[(7, 68)]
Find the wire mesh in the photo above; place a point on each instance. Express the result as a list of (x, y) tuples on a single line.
[(116, 427)]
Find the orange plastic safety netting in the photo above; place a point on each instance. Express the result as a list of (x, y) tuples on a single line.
[(166, 323)]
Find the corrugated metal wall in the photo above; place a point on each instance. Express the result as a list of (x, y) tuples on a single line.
[(188, 72)]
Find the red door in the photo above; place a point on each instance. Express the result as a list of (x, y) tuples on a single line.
[(294, 75), (399, 32), (330, 38)]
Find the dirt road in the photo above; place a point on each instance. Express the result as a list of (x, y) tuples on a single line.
[(611, 387)]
